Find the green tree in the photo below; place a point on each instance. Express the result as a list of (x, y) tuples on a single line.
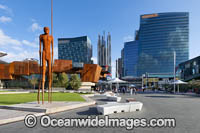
[(60, 80), (194, 84), (75, 82), (63, 80), (33, 81)]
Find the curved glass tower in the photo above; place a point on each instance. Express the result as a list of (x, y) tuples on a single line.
[(130, 58), (159, 36)]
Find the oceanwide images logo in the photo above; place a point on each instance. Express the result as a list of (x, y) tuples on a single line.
[(129, 123)]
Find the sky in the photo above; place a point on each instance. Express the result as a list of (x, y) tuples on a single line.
[(22, 21)]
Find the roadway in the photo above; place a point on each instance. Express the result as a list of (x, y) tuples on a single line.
[(185, 109)]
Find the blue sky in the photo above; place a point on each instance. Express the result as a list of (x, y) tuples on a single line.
[(21, 22)]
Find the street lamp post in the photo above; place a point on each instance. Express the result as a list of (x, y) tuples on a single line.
[(174, 71), (146, 80)]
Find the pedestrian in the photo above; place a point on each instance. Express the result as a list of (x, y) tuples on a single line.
[(123, 89), (134, 89), (131, 91)]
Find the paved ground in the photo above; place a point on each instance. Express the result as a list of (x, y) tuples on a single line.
[(185, 109)]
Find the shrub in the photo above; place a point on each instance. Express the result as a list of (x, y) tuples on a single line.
[(75, 82)]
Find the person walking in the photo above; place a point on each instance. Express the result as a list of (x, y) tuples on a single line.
[(123, 90), (131, 91), (135, 91)]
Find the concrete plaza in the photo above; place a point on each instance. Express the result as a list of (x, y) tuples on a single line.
[(184, 108)]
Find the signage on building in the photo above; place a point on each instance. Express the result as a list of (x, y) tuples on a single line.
[(64, 41), (150, 16)]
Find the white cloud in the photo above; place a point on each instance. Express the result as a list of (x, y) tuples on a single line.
[(16, 49), (20, 55), (33, 20), (6, 40), (31, 44), (5, 8), (35, 26), (128, 38), (19, 50), (94, 60), (4, 19)]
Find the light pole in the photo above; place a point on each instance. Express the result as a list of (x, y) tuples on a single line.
[(174, 71), (146, 80), (142, 81)]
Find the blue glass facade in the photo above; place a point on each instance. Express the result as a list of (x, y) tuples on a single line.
[(77, 49), (159, 36), (190, 69), (130, 58)]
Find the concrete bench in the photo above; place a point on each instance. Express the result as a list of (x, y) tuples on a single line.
[(114, 98), (105, 94), (114, 107), (135, 106)]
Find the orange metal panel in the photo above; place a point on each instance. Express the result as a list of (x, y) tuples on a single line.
[(5, 71), (91, 73), (62, 66)]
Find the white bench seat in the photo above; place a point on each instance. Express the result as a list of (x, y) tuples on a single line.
[(114, 107)]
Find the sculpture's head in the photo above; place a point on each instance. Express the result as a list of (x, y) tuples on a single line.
[(46, 30)]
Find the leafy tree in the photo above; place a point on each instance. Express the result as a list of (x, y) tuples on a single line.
[(63, 79), (194, 84), (60, 80), (33, 81), (75, 82)]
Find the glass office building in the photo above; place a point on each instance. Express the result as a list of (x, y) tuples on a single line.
[(159, 36), (190, 69), (130, 58), (77, 49)]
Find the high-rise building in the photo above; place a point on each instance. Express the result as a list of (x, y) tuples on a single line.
[(160, 35), (130, 58), (78, 49), (104, 51), (122, 58), (119, 68)]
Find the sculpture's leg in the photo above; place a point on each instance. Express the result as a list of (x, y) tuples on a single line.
[(50, 84), (38, 96), (49, 79), (43, 75)]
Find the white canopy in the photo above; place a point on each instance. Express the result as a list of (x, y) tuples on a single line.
[(2, 54), (178, 82), (132, 85), (116, 80)]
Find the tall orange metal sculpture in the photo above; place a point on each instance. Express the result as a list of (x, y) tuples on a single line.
[(46, 56)]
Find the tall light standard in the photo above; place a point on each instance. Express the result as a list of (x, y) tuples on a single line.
[(174, 71), (143, 76), (146, 80)]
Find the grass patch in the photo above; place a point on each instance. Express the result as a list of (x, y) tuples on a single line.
[(8, 99), (5, 91)]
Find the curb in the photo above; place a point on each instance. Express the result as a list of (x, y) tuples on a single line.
[(44, 111), (15, 119)]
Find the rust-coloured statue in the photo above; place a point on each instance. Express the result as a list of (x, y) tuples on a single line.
[(46, 56)]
